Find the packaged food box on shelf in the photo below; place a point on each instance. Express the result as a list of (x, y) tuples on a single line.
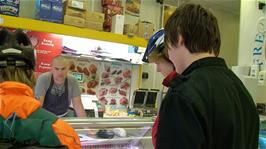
[(118, 24), (108, 21), (75, 21), (94, 16), (145, 29), (94, 25), (112, 2), (78, 4), (9, 7), (112, 10), (130, 29), (57, 10), (49, 10), (75, 12)]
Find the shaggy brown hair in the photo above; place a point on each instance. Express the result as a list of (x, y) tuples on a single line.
[(197, 26)]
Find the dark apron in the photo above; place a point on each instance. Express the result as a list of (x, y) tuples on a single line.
[(56, 104)]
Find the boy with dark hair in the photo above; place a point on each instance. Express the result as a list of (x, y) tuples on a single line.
[(207, 106)]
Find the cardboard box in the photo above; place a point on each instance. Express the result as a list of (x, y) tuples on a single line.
[(75, 12), (118, 24), (9, 7), (112, 2), (25, 12), (130, 29), (145, 29), (94, 25), (94, 16), (78, 4), (75, 21)]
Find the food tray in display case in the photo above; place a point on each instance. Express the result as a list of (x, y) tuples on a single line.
[(127, 133)]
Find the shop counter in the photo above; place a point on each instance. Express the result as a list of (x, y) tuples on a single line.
[(122, 132)]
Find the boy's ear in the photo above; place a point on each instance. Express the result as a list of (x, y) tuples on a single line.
[(180, 40)]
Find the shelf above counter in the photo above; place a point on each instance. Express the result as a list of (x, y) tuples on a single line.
[(62, 29)]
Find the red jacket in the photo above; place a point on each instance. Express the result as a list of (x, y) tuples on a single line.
[(166, 82)]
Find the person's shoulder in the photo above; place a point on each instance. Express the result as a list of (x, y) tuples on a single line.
[(46, 74), (71, 79)]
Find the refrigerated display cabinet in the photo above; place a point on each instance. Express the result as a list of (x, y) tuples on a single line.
[(137, 136)]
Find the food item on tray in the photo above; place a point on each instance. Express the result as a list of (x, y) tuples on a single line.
[(93, 68), (124, 85), (72, 66), (107, 68), (92, 84), (113, 72), (127, 73), (103, 91), (123, 101), (83, 90), (122, 92), (118, 80), (106, 81), (106, 134), (112, 90), (86, 71), (120, 132), (103, 100), (79, 69), (105, 74), (113, 101), (91, 92), (119, 72)]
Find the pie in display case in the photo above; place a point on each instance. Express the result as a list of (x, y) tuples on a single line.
[(113, 133)]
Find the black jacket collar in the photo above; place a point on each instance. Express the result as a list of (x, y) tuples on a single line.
[(204, 62)]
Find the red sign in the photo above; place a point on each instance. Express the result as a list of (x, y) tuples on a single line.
[(47, 46)]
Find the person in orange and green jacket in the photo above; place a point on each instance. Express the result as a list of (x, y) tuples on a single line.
[(22, 120)]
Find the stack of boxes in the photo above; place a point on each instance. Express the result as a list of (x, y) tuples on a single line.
[(9, 7), (49, 10), (144, 29), (75, 12), (110, 9), (130, 30), (94, 20)]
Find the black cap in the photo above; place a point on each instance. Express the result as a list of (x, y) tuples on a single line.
[(16, 49)]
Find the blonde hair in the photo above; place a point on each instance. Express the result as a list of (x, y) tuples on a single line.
[(21, 75), (60, 58), (157, 57)]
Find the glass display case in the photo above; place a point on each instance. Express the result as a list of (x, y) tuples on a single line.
[(113, 133)]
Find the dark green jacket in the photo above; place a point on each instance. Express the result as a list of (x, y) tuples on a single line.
[(208, 107), (36, 129)]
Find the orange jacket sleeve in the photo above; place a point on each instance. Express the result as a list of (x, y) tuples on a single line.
[(66, 134)]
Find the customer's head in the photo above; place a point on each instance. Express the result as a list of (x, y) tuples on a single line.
[(198, 28), (157, 53), (60, 67), (17, 58), (191, 32)]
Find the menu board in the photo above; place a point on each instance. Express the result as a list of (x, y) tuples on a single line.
[(115, 82), (86, 71)]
